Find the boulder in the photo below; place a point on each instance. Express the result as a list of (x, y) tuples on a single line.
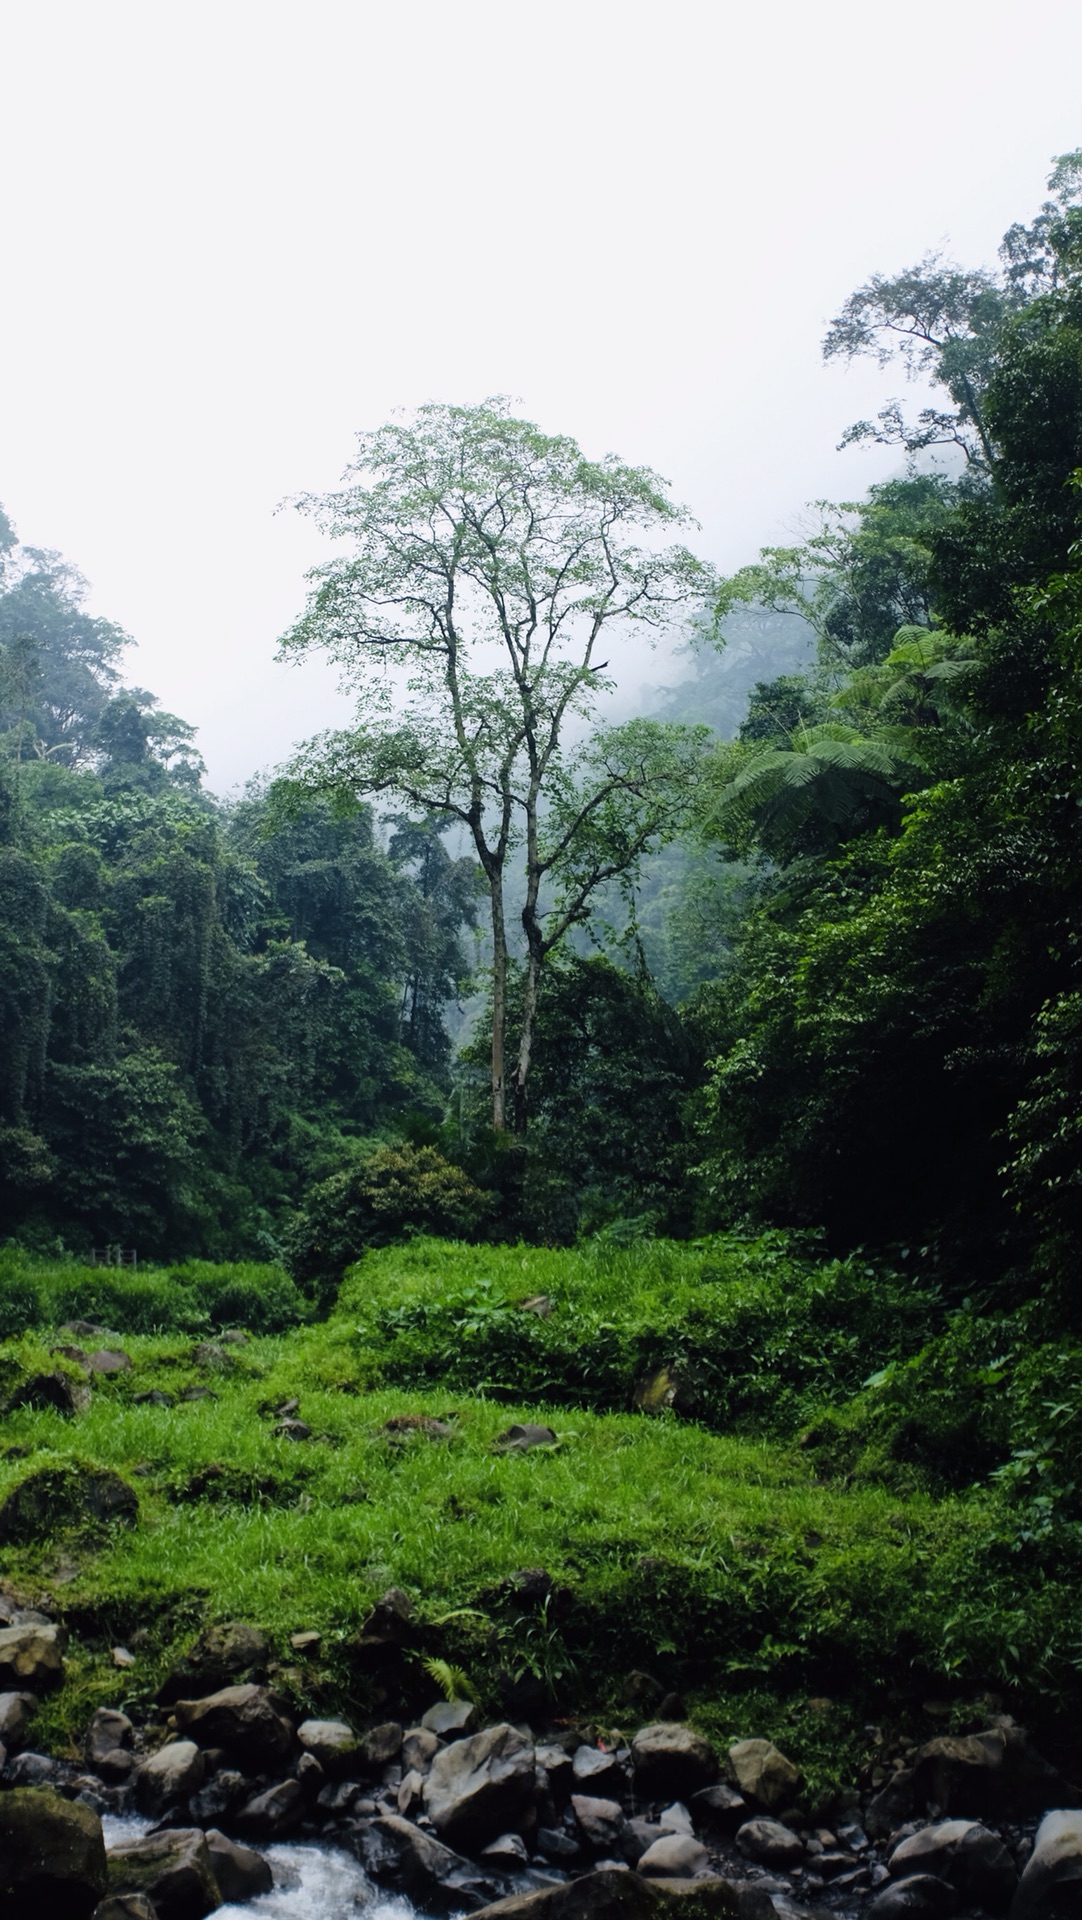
[(60, 1390), (15, 1710), (223, 1792), (720, 1808), (332, 1742), (125, 1906), (30, 1770), (612, 1894), (891, 1806), (389, 1625), (275, 1812), (398, 1854), (921, 1897), (763, 1774), (671, 1761), (449, 1717), (382, 1746), (980, 1775), (107, 1732), (52, 1855), (1051, 1886), (109, 1360), (771, 1844), (173, 1773), (154, 1397), (32, 1656), (419, 1748), (244, 1720), (221, 1656), (54, 1498), (524, 1435), (677, 1856), (597, 1772), (241, 1872), (478, 1787), (171, 1869), (601, 1822), (965, 1855)]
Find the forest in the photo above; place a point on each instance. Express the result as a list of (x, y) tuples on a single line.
[(706, 1082)]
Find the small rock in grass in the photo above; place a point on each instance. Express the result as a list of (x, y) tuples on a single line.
[(233, 1337), (524, 1435), (403, 1423), (154, 1397), (109, 1360), (122, 1658), (309, 1642), (292, 1430), (198, 1393)]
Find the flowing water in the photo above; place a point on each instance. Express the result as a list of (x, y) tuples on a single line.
[(311, 1882)]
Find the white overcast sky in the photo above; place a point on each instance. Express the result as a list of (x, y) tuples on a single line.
[(236, 232)]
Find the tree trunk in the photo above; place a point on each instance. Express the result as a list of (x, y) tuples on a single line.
[(525, 1045), (499, 1007)]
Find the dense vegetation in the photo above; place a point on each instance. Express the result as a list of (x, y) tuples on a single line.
[(782, 1231)]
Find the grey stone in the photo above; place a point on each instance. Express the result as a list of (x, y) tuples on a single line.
[(921, 1897), (241, 1872), (15, 1710), (557, 1845), (678, 1856), (107, 1731), (675, 1819), (32, 1656), (719, 1808), (1051, 1885), (600, 1821), (480, 1786), (109, 1360), (117, 1766), (411, 1793), (671, 1760), (508, 1849), (59, 1390), (125, 1906), (524, 1435), (221, 1794), (171, 1774), (381, 1746), (244, 1720), (964, 1854), (614, 1893), (768, 1842), (763, 1774), (891, 1806), (449, 1717), (274, 1812), (222, 1655), (332, 1742), (419, 1748), (30, 1770), (599, 1773), (399, 1854), (52, 1854), (998, 1773), (558, 1768), (172, 1869)]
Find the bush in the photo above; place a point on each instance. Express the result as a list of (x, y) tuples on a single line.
[(398, 1191), (194, 1298)]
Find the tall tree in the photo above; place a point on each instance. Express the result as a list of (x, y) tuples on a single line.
[(493, 570)]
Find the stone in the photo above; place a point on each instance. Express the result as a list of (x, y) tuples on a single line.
[(216, 1800), (675, 1819), (638, 1835), (720, 1809), (15, 1711), (171, 1869), (107, 1731), (274, 1812), (964, 1854), (154, 1397), (338, 1796), (382, 1746), (30, 1770), (598, 1772), (32, 1656), (995, 1773), (209, 1354), (84, 1329), (399, 1854), (449, 1717), (332, 1742), (308, 1642), (54, 1498), (52, 1855), (508, 1850), (173, 1773), (410, 1796), (405, 1423), (524, 1435), (419, 1748), (763, 1774), (678, 1856), (390, 1624), (610, 1893), (921, 1897), (115, 1767), (292, 1430), (109, 1360), (233, 1337), (198, 1393), (557, 1845), (539, 1303), (771, 1844), (478, 1787), (891, 1806), (558, 1768), (670, 1760), (125, 1906), (121, 1657), (1051, 1885), (59, 1390), (241, 1872), (601, 1822), (244, 1720), (222, 1654)]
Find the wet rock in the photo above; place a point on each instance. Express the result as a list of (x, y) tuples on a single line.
[(965, 1855), (670, 1760), (612, 1894), (222, 1655), (244, 1720), (109, 1360), (171, 1869), (995, 1773), (508, 1850), (450, 1717), (382, 1745), (478, 1787), (125, 1906), (677, 1856), (52, 1855), (154, 1397), (771, 1844), (30, 1770), (600, 1773), (32, 1656), (272, 1813), (292, 1430), (241, 1872), (524, 1435), (601, 1822), (399, 1854), (419, 1748), (115, 1767), (1051, 1886), (720, 1809), (557, 1845), (171, 1774), (891, 1806), (410, 1797), (15, 1711), (332, 1742), (389, 1625), (921, 1897), (763, 1774), (108, 1731), (53, 1498), (59, 1390), (216, 1800)]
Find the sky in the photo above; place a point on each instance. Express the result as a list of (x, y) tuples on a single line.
[(236, 233)]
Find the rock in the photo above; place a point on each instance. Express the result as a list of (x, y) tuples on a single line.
[(244, 1720), (600, 1821), (333, 1743), (509, 1850), (338, 1796), (600, 1773), (76, 1355), (891, 1806), (122, 1658), (994, 1773), (209, 1354), (172, 1870), (557, 1845), (397, 1853), (52, 1855), (226, 1790), (677, 1856), (32, 1656), (638, 1835), (107, 1731), (921, 1897), (719, 1808), (241, 1873), (233, 1337), (30, 1770), (558, 1769), (419, 1748), (115, 1767), (449, 1717), (675, 1819), (404, 1423), (388, 1625), (198, 1393), (524, 1435), (154, 1397), (171, 1774), (15, 1710), (410, 1797), (671, 1761), (764, 1774), (382, 1745), (965, 1855), (84, 1329), (109, 1360), (479, 1786), (53, 1498), (125, 1906), (292, 1430), (612, 1894), (1051, 1886), (539, 1303), (308, 1642), (60, 1390), (770, 1843), (274, 1812), (221, 1655)]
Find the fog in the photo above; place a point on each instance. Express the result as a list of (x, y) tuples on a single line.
[(236, 233)]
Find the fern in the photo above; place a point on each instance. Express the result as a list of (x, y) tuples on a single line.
[(451, 1681)]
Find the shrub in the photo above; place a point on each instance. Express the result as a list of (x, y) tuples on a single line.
[(396, 1192)]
